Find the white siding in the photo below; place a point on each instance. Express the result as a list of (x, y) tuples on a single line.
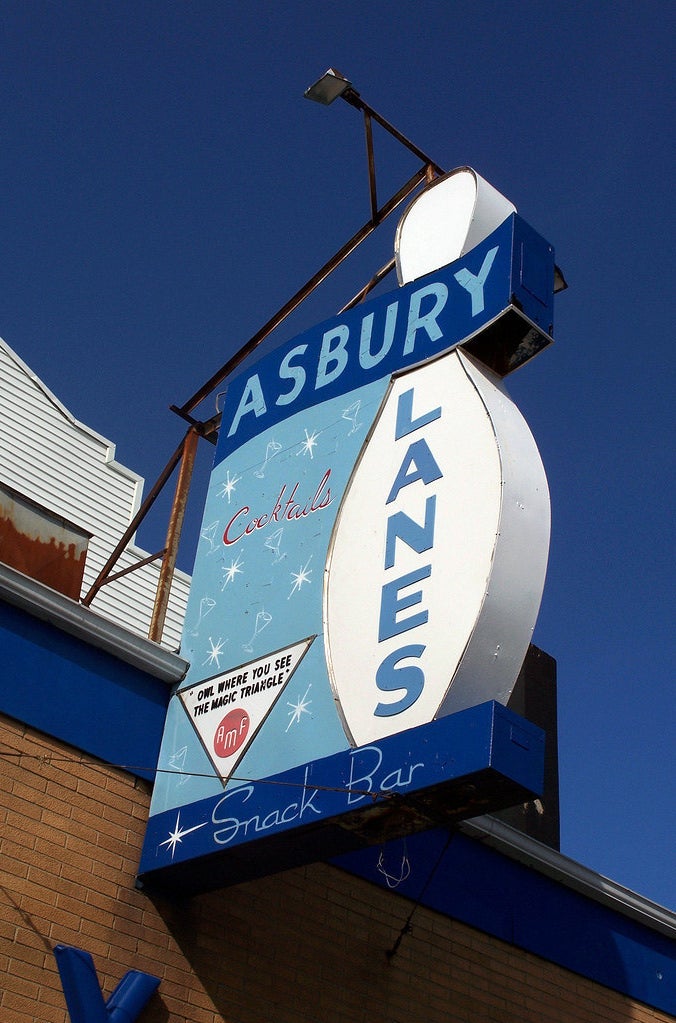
[(50, 457)]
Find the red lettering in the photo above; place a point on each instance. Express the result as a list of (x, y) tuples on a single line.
[(227, 539), (290, 511)]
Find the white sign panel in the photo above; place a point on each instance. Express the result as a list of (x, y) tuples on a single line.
[(438, 556)]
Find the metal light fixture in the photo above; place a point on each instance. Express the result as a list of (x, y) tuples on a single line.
[(329, 87), (325, 90)]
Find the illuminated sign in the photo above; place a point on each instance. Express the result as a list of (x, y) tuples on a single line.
[(375, 536)]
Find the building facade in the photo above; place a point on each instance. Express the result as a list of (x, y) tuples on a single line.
[(314, 944), (69, 472), (486, 922)]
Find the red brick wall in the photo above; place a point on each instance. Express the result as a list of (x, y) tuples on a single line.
[(307, 946)]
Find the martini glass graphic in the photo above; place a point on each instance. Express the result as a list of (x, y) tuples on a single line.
[(207, 604), (273, 543), (351, 413), (177, 764), (208, 533), (263, 619), (273, 448)]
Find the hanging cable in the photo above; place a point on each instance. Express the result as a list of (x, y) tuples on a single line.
[(406, 929), (48, 759)]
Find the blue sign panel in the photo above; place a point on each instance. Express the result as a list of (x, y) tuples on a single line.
[(459, 766), (514, 265)]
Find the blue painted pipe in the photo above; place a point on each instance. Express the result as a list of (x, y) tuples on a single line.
[(130, 996), (82, 990)]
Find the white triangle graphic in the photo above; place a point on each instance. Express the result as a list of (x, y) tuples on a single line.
[(228, 710)]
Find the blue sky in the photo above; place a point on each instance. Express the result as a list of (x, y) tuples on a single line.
[(166, 188)]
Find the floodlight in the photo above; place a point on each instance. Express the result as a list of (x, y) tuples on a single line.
[(325, 90), (329, 87)]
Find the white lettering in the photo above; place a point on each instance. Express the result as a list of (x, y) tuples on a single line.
[(332, 358), (248, 827), (295, 373), (359, 787), (475, 284), (428, 321), (252, 400)]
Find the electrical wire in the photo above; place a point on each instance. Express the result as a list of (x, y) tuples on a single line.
[(407, 928), (49, 759)]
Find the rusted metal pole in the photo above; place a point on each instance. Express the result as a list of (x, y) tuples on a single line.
[(173, 535), (352, 97), (376, 279), (371, 160), (299, 297), (137, 564)]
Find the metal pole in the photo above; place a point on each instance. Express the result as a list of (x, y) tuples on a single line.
[(376, 279), (173, 535), (352, 97), (370, 157)]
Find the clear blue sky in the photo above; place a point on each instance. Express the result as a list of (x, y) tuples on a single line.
[(165, 188)]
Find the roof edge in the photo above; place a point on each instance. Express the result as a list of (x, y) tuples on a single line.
[(108, 445), (533, 854), (42, 602)]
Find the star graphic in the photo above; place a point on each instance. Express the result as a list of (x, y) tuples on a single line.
[(178, 834), (228, 487), (300, 577), (298, 708), (232, 570), (308, 445), (214, 654)]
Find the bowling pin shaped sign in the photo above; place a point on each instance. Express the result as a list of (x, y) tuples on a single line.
[(375, 535)]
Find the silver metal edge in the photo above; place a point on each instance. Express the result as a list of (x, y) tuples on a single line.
[(533, 854), (83, 623)]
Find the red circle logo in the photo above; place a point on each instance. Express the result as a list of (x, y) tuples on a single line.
[(231, 733)]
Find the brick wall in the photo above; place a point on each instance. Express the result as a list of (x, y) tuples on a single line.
[(307, 946)]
